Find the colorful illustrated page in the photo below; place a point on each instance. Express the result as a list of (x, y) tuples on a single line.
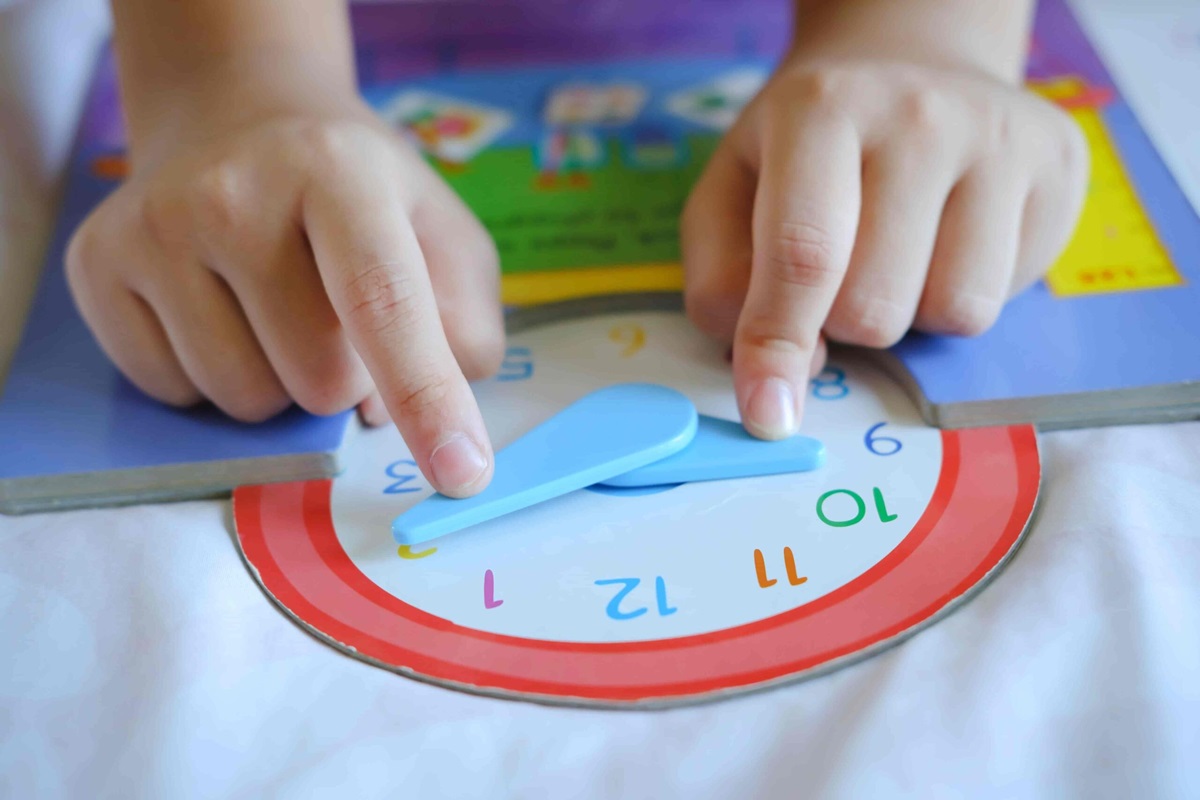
[(578, 153), (652, 595), (581, 169), (582, 186)]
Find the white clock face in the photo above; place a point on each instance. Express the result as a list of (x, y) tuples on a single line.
[(654, 596), (608, 565)]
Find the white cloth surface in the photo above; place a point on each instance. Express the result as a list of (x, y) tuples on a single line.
[(139, 659), (1152, 47)]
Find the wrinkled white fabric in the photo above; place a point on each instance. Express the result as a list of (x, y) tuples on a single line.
[(139, 659)]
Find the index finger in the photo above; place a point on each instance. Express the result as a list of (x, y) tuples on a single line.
[(806, 211), (376, 277)]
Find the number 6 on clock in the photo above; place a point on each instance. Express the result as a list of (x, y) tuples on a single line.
[(892, 446)]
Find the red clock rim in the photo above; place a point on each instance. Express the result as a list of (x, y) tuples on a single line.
[(267, 517)]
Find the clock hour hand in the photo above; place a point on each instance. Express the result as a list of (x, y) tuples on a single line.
[(721, 450), (604, 434)]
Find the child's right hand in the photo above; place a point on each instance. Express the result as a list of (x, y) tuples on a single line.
[(298, 251)]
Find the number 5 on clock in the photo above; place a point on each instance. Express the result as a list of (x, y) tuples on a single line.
[(517, 365)]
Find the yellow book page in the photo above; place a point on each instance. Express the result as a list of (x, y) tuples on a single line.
[(529, 288), (1115, 247)]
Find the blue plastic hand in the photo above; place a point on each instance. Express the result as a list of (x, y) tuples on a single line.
[(722, 449), (604, 434)]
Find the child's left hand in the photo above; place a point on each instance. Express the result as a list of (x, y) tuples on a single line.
[(855, 199)]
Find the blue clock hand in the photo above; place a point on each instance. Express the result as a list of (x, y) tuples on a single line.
[(722, 449), (604, 434)]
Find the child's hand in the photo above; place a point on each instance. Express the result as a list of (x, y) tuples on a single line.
[(857, 198), (297, 250)]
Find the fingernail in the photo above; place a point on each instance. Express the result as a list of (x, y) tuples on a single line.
[(771, 410), (457, 464)]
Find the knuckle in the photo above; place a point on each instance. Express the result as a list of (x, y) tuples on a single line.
[(869, 322), (476, 341), (253, 404), (332, 388), (802, 255), (823, 87), (326, 146), (161, 225), (84, 251), (924, 110), (478, 248), (480, 358), (764, 337), (963, 314), (177, 394), (1002, 132), (712, 311), (380, 299), (222, 199), (325, 403)]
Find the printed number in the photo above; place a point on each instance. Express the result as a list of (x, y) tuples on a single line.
[(789, 564), (660, 594), (489, 591), (405, 472), (517, 365), (628, 585), (893, 446), (860, 508), (633, 336), (1106, 275), (830, 388), (406, 552)]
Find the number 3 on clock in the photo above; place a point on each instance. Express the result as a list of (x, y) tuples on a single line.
[(403, 472)]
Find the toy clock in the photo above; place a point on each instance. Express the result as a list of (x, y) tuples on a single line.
[(649, 595)]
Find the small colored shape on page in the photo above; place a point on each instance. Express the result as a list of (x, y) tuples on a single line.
[(716, 104), (447, 128), (594, 104), (723, 450), (604, 434)]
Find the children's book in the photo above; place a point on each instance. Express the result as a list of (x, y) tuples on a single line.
[(575, 135)]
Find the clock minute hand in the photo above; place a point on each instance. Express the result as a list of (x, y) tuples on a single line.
[(604, 434), (721, 450)]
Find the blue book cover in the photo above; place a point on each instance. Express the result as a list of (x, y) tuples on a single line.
[(497, 97)]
